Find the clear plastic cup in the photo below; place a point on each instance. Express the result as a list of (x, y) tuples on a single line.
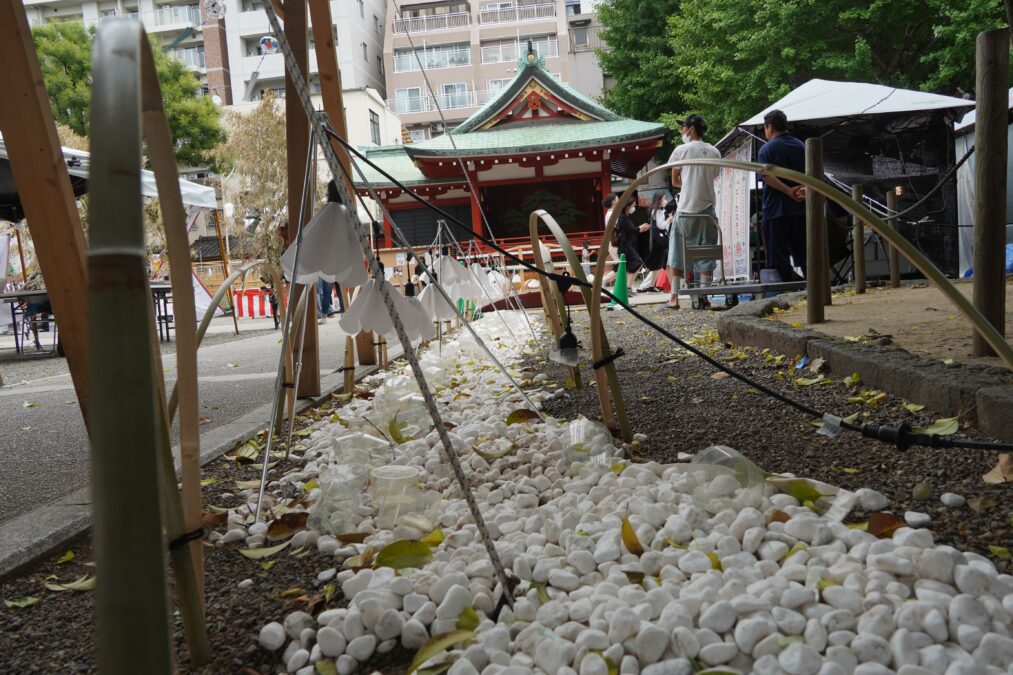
[(337, 509), (396, 493)]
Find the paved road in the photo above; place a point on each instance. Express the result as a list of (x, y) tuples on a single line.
[(43, 450)]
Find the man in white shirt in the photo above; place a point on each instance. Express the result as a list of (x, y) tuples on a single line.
[(696, 220)]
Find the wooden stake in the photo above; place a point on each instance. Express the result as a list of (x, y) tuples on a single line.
[(21, 256), (991, 127), (892, 253), (224, 253), (815, 227), (26, 121), (858, 242), (297, 141)]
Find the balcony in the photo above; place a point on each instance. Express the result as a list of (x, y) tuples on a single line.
[(406, 61), (509, 53), (515, 14), (193, 57), (425, 24), (270, 66), (182, 16), (448, 101)]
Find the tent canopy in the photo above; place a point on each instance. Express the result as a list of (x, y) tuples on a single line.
[(78, 163), (827, 99), (966, 125)]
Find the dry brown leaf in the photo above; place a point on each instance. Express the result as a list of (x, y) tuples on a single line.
[(720, 375), (352, 537), (778, 516), (1002, 472), (630, 540), (215, 519), (287, 525), (883, 524)]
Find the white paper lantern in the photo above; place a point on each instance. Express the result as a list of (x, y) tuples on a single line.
[(435, 305), (329, 250), (368, 312)]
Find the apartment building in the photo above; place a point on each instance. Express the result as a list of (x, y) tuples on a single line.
[(468, 50), (225, 54)]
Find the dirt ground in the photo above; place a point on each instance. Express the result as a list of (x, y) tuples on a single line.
[(917, 317)]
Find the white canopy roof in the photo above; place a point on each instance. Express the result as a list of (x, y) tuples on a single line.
[(193, 194), (826, 99), (964, 125)]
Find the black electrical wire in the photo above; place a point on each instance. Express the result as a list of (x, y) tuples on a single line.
[(902, 436), (942, 181)]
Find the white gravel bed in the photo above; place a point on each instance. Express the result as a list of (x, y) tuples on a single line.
[(719, 587)]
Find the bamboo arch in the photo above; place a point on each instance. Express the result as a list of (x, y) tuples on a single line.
[(607, 379), (133, 477), (914, 256)]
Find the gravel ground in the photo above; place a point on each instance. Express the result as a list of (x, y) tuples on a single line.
[(671, 397)]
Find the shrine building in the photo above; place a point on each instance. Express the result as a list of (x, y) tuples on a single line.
[(537, 144)]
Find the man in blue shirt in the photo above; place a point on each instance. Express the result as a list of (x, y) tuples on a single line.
[(783, 201)]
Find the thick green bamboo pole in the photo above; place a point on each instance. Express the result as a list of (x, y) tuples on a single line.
[(916, 257), (131, 597)]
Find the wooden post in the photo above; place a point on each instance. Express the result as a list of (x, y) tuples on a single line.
[(892, 252), (21, 256), (815, 227), (223, 252), (989, 292), (26, 122), (858, 242), (297, 140)]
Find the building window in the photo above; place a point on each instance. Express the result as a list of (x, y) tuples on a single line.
[(438, 56), (496, 85), (510, 50), (362, 9), (454, 95), (408, 100), (417, 135), (374, 127), (376, 24), (572, 7), (580, 38), (379, 64), (365, 52)]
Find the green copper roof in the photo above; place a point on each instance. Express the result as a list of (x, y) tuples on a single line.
[(525, 73), (394, 160), (538, 137)]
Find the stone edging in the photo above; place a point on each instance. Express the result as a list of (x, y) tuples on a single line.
[(982, 393)]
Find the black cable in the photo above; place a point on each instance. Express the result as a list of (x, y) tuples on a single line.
[(942, 181), (903, 438)]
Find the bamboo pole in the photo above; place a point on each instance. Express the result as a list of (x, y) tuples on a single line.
[(815, 227), (916, 257), (858, 242), (991, 128), (553, 302), (131, 597), (892, 253)]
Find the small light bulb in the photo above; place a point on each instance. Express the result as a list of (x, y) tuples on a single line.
[(899, 191)]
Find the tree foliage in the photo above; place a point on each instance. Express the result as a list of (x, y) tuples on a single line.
[(254, 157), (64, 52), (729, 59), (640, 57)]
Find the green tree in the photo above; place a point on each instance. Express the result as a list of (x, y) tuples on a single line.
[(952, 53), (64, 51), (254, 160), (640, 58), (735, 57)]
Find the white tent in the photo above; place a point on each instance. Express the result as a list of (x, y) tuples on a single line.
[(827, 99), (79, 161), (965, 187)]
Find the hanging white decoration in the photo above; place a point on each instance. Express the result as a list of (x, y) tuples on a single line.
[(330, 250)]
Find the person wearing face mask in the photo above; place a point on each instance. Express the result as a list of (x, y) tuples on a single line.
[(627, 233), (696, 221)]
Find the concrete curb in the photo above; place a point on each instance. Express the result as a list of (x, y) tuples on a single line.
[(34, 535), (981, 393)]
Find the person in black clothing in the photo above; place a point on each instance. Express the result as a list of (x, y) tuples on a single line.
[(783, 201), (626, 240)]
